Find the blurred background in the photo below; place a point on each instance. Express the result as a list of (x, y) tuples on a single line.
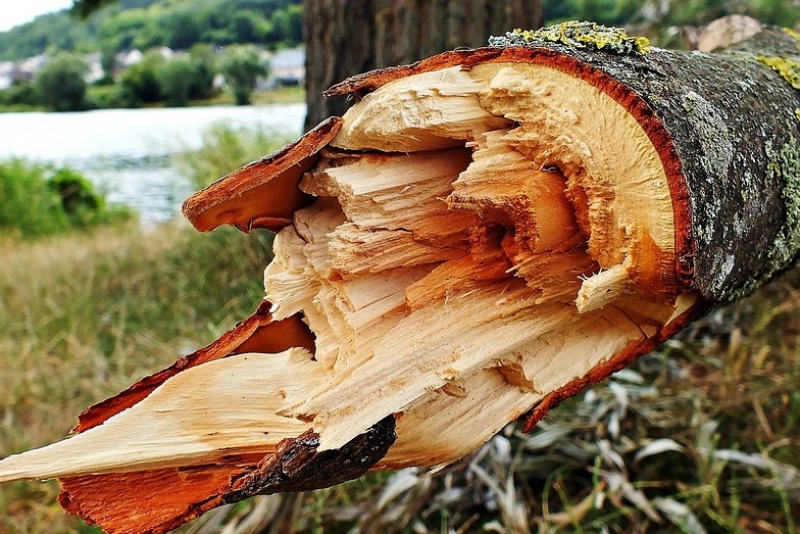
[(112, 112)]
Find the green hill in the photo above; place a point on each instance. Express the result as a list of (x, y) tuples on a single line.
[(148, 23)]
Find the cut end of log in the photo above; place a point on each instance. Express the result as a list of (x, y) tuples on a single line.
[(479, 239), (464, 245)]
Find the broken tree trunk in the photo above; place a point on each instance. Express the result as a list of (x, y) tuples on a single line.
[(484, 234)]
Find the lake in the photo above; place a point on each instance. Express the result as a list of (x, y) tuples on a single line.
[(127, 152)]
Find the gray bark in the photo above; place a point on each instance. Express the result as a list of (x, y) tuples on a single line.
[(734, 124)]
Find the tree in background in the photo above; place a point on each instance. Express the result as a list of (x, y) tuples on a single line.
[(140, 84), (205, 63), (61, 83), (179, 29), (175, 79), (242, 66), (108, 62)]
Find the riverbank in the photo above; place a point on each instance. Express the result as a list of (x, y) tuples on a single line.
[(83, 316), (128, 153), (96, 95)]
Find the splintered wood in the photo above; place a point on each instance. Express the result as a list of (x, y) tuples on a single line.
[(478, 240)]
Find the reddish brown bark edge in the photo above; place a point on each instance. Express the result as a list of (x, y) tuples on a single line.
[(618, 362), (162, 500), (257, 333), (262, 194), (681, 276)]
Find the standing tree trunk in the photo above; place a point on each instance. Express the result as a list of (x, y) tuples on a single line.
[(346, 37)]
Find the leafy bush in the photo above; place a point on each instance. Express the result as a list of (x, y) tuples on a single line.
[(140, 83), (242, 67), (103, 96), (61, 83), (206, 69), (175, 78), (36, 200), (20, 93), (83, 206), (224, 149)]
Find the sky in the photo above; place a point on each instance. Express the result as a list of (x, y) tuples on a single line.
[(14, 12)]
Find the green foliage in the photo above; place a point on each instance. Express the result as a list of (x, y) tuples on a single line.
[(140, 83), (179, 29), (56, 30), (205, 68), (776, 12), (37, 200), (175, 79), (28, 206), (144, 24), (667, 14), (242, 66), (224, 149), (102, 96), (61, 83), (21, 92), (82, 204), (120, 31), (108, 62)]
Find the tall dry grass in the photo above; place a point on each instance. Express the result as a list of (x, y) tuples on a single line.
[(701, 436), (83, 317)]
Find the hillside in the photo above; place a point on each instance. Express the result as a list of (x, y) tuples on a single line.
[(148, 23)]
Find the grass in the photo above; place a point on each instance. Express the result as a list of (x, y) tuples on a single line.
[(84, 316), (224, 149), (700, 436), (280, 95)]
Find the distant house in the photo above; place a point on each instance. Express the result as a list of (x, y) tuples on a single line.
[(165, 51), (288, 67), (28, 67), (129, 58), (95, 68), (7, 71)]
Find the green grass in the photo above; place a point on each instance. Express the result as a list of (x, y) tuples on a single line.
[(82, 317), (704, 431), (224, 149)]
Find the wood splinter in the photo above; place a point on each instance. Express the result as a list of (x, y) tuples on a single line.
[(484, 234)]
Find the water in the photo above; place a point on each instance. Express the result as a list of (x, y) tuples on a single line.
[(126, 152)]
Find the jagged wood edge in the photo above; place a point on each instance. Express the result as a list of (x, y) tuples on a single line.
[(295, 466), (727, 128), (257, 333), (256, 187)]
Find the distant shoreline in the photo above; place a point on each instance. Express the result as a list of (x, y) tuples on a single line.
[(282, 95)]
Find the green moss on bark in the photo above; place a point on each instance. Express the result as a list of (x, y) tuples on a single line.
[(784, 167), (788, 160), (787, 67), (584, 35)]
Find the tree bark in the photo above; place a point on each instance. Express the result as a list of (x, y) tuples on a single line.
[(346, 37), (727, 126)]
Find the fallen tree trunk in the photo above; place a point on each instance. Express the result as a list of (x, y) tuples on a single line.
[(485, 233)]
